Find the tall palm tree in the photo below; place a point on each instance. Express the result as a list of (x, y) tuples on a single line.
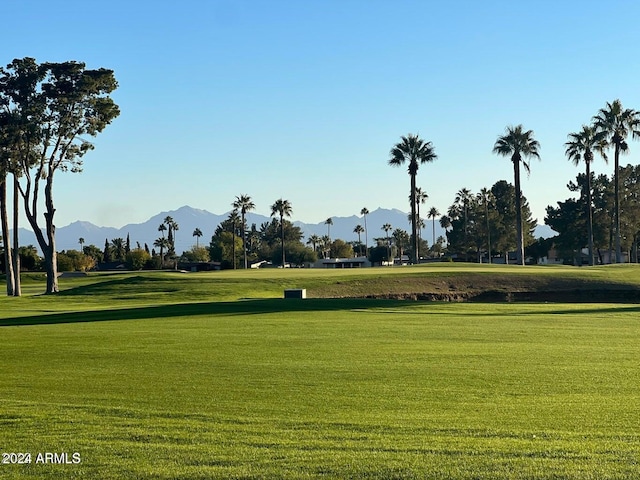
[(519, 145), (358, 230), (433, 213), (197, 233), (328, 222), (282, 208), (244, 204), (617, 122), (162, 228), (413, 151), (364, 212), (387, 228), (485, 197), (462, 199), (421, 197), (581, 146), (234, 222)]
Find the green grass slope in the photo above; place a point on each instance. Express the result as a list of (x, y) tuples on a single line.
[(165, 376)]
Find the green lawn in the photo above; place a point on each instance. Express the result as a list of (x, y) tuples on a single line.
[(172, 376)]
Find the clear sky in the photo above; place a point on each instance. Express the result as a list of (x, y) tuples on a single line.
[(304, 99)]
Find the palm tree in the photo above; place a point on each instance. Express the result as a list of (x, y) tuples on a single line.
[(244, 204), (118, 247), (387, 228), (81, 242), (414, 151), (328, 222), (485, 197), (462, 199), (234, 221), (581, 146), (358, 230), (161, 243), (519, 145), (364, 212), (169, 222), (197, 233), (401, 239), (325, 242), (314, 240), (421, 197), (282, 208), (616, 123), (433, 213)]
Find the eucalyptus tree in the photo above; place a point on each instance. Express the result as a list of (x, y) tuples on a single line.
[(433, 213), (387, 228), (197, 233), (283, 209), (413, 151), (8, 261), (617, 123), (581, 146), (519, 145), (244, 204), (364, 212), (57, 104)]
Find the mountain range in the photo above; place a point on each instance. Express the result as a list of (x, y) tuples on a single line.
[(189, 218)]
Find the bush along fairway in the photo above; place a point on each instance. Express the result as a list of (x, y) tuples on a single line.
[(171, 378)]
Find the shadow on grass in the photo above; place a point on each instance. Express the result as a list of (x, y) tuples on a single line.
[(246, 307)]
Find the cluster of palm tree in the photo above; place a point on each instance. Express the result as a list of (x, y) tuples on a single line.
[(610, 127), (167, 243)]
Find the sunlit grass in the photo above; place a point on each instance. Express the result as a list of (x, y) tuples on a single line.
[(170, 376)]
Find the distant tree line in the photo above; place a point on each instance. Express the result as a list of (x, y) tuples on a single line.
[(48, 110)]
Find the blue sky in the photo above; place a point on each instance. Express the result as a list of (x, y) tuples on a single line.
[(303, 100)]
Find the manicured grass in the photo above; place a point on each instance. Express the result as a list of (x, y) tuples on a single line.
[(149, 383)]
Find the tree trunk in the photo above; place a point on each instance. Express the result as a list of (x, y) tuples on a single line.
[(282, 233), (244, 244), (486, 212), (366, 234), (616, 208), (414, 229), (8, 262), (519, 236), (233, 247), (589, 215), (17, 289), (52, 258)]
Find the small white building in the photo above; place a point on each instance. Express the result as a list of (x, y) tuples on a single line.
[(355, 262)]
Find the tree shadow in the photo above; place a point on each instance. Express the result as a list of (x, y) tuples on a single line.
[(243, 307)]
